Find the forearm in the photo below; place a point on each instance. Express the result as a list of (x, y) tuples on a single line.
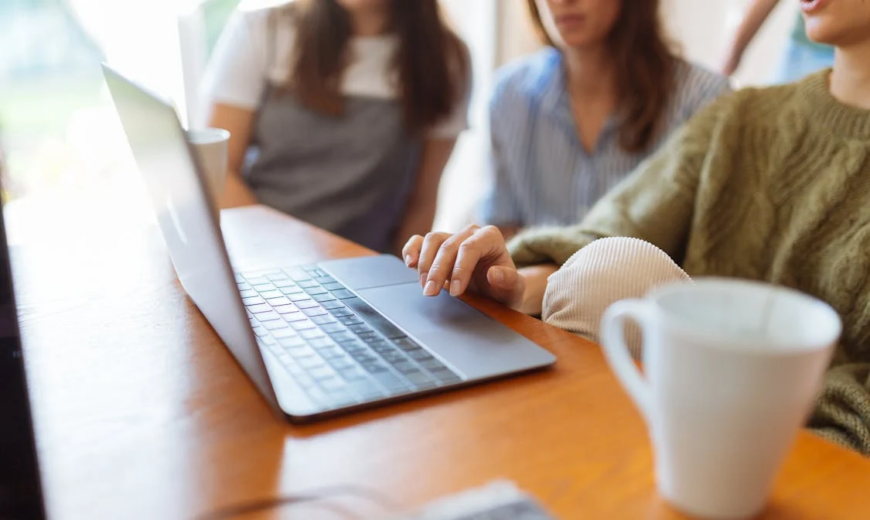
[(752, 22), (535, 278), (237, 192)]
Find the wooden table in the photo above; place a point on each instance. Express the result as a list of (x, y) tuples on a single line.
[(141, 412)]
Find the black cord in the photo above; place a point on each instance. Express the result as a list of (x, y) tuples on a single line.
[(291, 500)]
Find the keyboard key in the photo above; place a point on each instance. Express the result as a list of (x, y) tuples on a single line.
[(405, 367), (286, 332), (312, 364), (341, 337), (314, 291), (331, 286), (420, 355), (322, 373), (390, 382), (256, 279), (360, 328), (369, 337), (365, 389), (301, 297), (260, 331), (418, 378), (364, 357), (250, 293), (302, 325), (331, 351), (324, 279), (293, 342), (277, 302), (352, 347), (406, 344), (253, 300), (311, 333), (274, 325), (352, 319), (263, 287), (260, 307), (374, 367), (374, 318), (380, 346), (301, 352), (285, 309), (320, 342), (307, 284), (268, 316), (298, 275), (332, 385), (332, 304), (340, 313), (445, 376), (296, 316), (307, 304), (323, 298), (433, 364), (267, 340), (287, 282), (292, 290), (393, 357), (276, 275), (329, 328), (271, 294), (343, 294), (314, 311), (313, 270), (351, 373), (324, 321)]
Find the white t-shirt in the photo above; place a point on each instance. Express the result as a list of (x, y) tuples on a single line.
[(239, 70)]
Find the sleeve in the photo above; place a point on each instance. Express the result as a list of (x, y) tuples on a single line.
[(655, 203), (457, 121), (700, 88), (842, 413), (500, 205), (236, 74)]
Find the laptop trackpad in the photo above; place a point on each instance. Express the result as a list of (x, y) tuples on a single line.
[(468, 340)]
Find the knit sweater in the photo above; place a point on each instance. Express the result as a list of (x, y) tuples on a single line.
[(766, 184)]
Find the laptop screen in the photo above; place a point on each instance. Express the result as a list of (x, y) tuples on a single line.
[(20, 490)]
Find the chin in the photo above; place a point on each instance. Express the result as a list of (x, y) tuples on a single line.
[(579, 41)]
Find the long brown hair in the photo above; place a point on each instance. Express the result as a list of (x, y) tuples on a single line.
[(430, 64), (645, 70)]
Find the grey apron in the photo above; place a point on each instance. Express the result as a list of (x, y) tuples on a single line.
[(351, 175)]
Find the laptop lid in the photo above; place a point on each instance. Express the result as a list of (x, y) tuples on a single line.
[(177, 190), (20, 487)]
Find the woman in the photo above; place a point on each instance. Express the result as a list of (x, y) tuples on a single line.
[(766, 184), (570, 122), (802, 55), (343, 113)]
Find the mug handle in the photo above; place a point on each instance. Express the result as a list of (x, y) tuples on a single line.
[(617, 353)]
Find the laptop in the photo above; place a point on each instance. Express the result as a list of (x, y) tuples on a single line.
[(20, 487), (316, 340)]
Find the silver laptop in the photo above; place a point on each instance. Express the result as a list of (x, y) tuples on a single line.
[(321, 339)]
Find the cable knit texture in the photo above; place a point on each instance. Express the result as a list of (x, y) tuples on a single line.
[(606, 271), (766, 184)]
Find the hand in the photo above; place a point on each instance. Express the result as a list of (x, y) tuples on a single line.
[(475, 259)]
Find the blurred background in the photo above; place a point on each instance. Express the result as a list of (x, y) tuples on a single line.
[(66, 162)]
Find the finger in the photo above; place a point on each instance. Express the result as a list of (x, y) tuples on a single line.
[(504, 284), (463, 268), (411, 251), (439, 272), (431, 244)]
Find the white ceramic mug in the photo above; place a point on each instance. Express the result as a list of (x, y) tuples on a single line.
[(732, 370), (212, 151)]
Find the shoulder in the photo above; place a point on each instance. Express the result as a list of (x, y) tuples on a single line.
[(695, 86), (527, 76)]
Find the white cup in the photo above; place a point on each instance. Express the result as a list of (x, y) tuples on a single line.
[(212, 151), (731, 372)]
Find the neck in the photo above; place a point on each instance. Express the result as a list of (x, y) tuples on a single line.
[(370, 22), (589, 71), (850, 80)]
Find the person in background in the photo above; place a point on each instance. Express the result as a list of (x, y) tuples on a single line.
[(569, 122), (766, 184), (802, 55), (343, 113)]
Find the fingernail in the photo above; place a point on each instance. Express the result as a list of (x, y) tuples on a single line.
[(431, 288), (408, 260), (423, 277), (497, 276), (455, 287)]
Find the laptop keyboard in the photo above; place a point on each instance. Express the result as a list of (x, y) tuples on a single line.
[(335, 346)]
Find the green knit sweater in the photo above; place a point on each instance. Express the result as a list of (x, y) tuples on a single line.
[(766, 184)]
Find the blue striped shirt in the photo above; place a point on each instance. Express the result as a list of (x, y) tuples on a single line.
[(542, 174)]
